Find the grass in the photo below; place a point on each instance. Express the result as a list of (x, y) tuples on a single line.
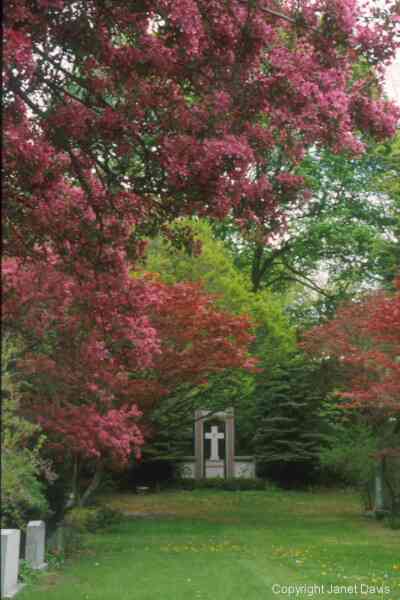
[(214, 545)]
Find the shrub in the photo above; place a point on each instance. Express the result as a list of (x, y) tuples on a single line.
[(350, 454), (393, 521), (91, 519), (232, 485), (22, 494), (351, 457), (27, 573), (22, 491), (105, 517)]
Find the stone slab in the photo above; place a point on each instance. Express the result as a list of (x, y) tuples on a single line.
[(245, 469), (215, 468), (35, 544), (188, 469), (10, 541)]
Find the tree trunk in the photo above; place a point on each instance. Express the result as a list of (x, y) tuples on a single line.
[(256, 269), (94, 484), (379, 479), (75, 483)]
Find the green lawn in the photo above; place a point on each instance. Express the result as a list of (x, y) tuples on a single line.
[(214, 545)]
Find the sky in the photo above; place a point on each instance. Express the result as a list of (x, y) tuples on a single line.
[(393, 80)]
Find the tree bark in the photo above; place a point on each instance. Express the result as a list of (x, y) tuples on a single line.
[(379, 496), (94, 484), (75, 482)]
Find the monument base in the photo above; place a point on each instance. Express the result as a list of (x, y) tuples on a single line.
[(41, 567), (244, 468), (11, 593), (214, 468)]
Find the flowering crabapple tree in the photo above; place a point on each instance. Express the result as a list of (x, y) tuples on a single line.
[(120, 117), (150, 110)]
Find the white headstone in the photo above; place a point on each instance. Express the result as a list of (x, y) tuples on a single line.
[(10, 539), (35, 544), (214, 436)]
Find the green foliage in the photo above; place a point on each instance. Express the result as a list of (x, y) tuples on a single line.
[(274, 338), (80, 518), (27, 574), (344, 238), (91, 519), (351, 229), (346, 232), (215, 268), (393, 521), (289, 427), (388, 183), (353, 454), (55, 559), (350, 453), (22, 492), (173, 418), (391, 479)]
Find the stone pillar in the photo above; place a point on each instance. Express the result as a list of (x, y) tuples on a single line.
[(228, 417), (199, 444), (35, 544), (10, 540), (379, 494), (230, 443)]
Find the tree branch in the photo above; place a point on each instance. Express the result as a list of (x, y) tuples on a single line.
[(280, 15), (56, 65), (17, 90), (307, 281)]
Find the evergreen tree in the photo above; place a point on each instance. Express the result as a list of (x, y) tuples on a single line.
[(290, 428)]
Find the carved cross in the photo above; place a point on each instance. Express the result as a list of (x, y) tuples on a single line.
[(214, 436)]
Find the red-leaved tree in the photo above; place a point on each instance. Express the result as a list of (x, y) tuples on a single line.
[(94, 370), (365, 337)]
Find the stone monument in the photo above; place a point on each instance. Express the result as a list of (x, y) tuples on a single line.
[(35, 544), (213, 465), (10, 540), (214, 446)]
